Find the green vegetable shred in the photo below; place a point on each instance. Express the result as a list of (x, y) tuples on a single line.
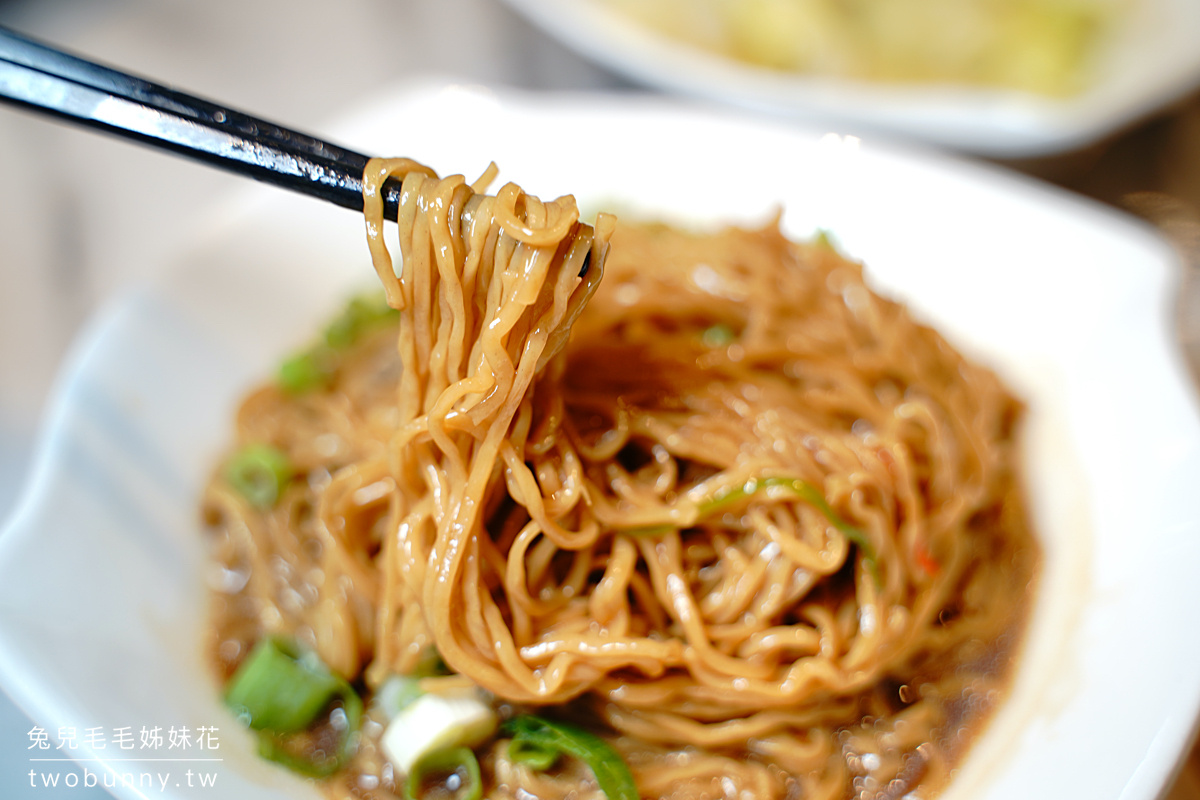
[(258, 472), (806, 492), (725, 500), (538, 742)]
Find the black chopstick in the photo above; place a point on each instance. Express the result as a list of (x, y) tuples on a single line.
[(37, 76)]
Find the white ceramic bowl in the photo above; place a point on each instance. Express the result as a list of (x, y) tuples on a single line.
[(102, 567), (1151, 60)]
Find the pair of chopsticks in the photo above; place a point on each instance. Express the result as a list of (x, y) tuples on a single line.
[(43, 78)]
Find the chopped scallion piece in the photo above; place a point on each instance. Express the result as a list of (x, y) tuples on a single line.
[(360, 315), (460, 769), (258, 472), (397, 693), (719, 335), (279, 688), (532, 755), (535, 739), (308, 370), (314, 367), (459, 718), (430, 664), (281, 691)]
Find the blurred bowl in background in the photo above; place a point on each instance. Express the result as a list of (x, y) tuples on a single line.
[(1149, 59)]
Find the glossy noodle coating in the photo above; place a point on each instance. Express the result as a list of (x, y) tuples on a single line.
[(727, 507)]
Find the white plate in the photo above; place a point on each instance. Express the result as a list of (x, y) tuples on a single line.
[(1152, 60), (101, 568)]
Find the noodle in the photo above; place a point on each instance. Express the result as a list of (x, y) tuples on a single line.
[(742, 516)]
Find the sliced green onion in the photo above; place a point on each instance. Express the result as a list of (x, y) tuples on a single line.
[(258, 472), (458, 718), (360, 315), (314, 367), (459, 764), (535, 739), (532, 755), (824, 239), (308, 370), (806, 492), (397, 693), (280, 690), (430, 664), (719, 335)]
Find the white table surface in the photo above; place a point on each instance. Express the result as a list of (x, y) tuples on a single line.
[(82, 216)]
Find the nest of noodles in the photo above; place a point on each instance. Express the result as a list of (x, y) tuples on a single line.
[(748, 518)]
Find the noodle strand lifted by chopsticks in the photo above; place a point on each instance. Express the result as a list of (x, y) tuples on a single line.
[(491, 286)]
